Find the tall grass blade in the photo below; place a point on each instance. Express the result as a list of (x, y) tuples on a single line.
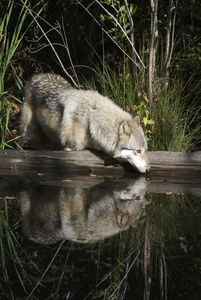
[(9, 45)]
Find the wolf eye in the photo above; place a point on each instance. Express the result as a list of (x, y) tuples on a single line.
[(138, 151)]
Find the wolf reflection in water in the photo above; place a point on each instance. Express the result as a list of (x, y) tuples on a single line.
[(82, 215)]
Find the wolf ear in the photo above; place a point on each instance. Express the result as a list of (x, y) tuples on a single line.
[(124, 128), (137, 120), (134, 225), (122, 218)]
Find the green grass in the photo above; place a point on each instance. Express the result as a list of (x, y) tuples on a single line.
[(11, 251), (9, 45), (172, 124), (177, 124)]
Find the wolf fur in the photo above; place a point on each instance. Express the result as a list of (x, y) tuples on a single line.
[(50, 214), (81, 119)]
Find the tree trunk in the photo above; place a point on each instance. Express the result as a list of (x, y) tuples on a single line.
[(132, 32), (170, 38), (152, 49)]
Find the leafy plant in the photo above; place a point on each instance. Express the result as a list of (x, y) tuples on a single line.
[(177, 125), (145, 115), (121, 17), (172, 124), (9, 45)]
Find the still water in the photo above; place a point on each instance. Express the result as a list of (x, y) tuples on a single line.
[(102, 238)]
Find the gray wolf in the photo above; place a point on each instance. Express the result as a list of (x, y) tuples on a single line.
[(50, 214), (81, 119)]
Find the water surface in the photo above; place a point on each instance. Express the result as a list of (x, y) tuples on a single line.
[(102, 238)]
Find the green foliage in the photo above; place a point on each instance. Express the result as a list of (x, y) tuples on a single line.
[(9, 45), (176, 123), (169, 123), (8, 48), (118, 20), (147, 121), (172, 124), (115, 279)]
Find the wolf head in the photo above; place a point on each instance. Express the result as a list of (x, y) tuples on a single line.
[(132, 145), (130, 203)]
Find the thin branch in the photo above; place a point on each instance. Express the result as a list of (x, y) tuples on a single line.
[(65, 42), (108, 275), (63, 271), (46, 269), (154, 35), (172, 41), (126, 274), (147, 250), (165, 274), (85, 8), (131, 28), (168, 31), (46, 46), (123, 31), (39, 38), (48, 40)]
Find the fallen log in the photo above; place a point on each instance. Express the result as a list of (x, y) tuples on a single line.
[(93, 161), (170, 171)]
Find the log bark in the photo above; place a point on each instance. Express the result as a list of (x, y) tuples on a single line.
[(170, 171), (92, 160)]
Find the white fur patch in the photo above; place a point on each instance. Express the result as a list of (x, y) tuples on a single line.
[(138, 160)]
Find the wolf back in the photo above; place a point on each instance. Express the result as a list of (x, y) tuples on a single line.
[(81, 119)]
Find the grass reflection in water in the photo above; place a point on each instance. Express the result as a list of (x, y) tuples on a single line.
[(154, 252)]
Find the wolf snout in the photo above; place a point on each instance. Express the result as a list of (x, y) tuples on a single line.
[(144, 170)]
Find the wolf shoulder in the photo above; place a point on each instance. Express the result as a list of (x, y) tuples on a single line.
[(48, 80), (45, 86)]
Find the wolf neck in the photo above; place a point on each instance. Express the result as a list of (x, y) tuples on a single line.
[(104, 127)]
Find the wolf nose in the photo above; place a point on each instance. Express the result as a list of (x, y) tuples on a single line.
[(148, 170)]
